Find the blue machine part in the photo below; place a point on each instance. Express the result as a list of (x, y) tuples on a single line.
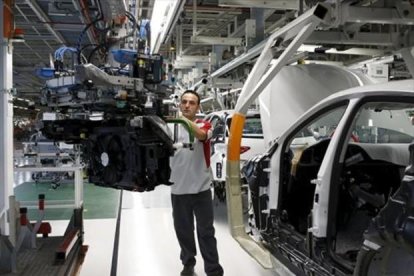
[(59, 53), (45, 73), (124, 55)]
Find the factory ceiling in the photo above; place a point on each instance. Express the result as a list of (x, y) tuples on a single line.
[(359, 30)]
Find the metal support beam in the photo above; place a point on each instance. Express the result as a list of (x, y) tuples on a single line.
[(190, 61), (239, 29), (289, 16), (287, 30), (209, 25), (215, 40), (179, 40), (6, 125), (273, 4), (226, 83), (250, 32), (43, 17), (218, 53), (194, 18), (187, 65), (35, 37), (258, 15), (335, 37), (258, 79), (374, 15), (252, 53), (188, 58)]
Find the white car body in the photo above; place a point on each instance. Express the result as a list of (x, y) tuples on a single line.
[(297, 88), (281, 103), (337, 205)]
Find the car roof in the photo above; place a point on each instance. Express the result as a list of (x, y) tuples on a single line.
[(399, 88), (403, 87)]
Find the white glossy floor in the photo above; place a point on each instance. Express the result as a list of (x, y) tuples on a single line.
[(148, 246)]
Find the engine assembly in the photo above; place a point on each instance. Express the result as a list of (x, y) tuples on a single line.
[(120, 153), (118, 116)]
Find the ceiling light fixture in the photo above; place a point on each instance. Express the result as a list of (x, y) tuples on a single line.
[(163, 16)]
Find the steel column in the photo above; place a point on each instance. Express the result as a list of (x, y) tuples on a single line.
[(258, 15), (6, 125)]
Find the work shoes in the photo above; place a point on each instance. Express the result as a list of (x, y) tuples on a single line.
[(188, 270)]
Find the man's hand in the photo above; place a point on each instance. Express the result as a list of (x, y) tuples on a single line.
[(198, 133)]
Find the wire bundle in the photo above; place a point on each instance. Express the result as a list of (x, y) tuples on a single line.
[(59, 53)]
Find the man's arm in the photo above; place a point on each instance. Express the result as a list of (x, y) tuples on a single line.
[(202, 133)]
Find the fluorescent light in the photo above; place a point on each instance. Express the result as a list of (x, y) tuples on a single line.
[(21, 99), (162, 17), (25, 108)]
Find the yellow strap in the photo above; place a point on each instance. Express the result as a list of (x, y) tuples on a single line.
[(236, 131)]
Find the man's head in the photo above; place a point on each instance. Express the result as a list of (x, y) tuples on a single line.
[(189, 104)]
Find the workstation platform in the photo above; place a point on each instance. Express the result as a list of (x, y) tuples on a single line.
[(49, 255), (41, 261), (58, 248)]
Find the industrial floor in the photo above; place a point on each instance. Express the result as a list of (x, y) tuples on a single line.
[(148, 245)]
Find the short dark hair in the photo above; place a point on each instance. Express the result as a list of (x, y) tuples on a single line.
[(192, 92)]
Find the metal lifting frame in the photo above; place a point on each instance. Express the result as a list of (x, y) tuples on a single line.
[(297, 31)]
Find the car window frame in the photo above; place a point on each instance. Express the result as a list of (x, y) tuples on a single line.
[(245, 135), (287, 141), (339, 155)]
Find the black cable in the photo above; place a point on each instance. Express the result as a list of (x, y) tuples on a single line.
[(99, 18), (114, 265), (106, 46), (88, 45), (133, 19), (135, 25), (96, 49)]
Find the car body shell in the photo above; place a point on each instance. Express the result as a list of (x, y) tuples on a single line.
[(295, 89), (322, 219)]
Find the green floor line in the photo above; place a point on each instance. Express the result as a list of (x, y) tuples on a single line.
[(99, 202)]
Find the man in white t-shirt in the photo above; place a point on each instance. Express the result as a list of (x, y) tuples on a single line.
[(190, 194)]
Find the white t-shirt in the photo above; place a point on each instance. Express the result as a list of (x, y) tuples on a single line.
[(190, 169)]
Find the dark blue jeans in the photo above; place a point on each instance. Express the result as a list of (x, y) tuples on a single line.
[(200, 206)]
